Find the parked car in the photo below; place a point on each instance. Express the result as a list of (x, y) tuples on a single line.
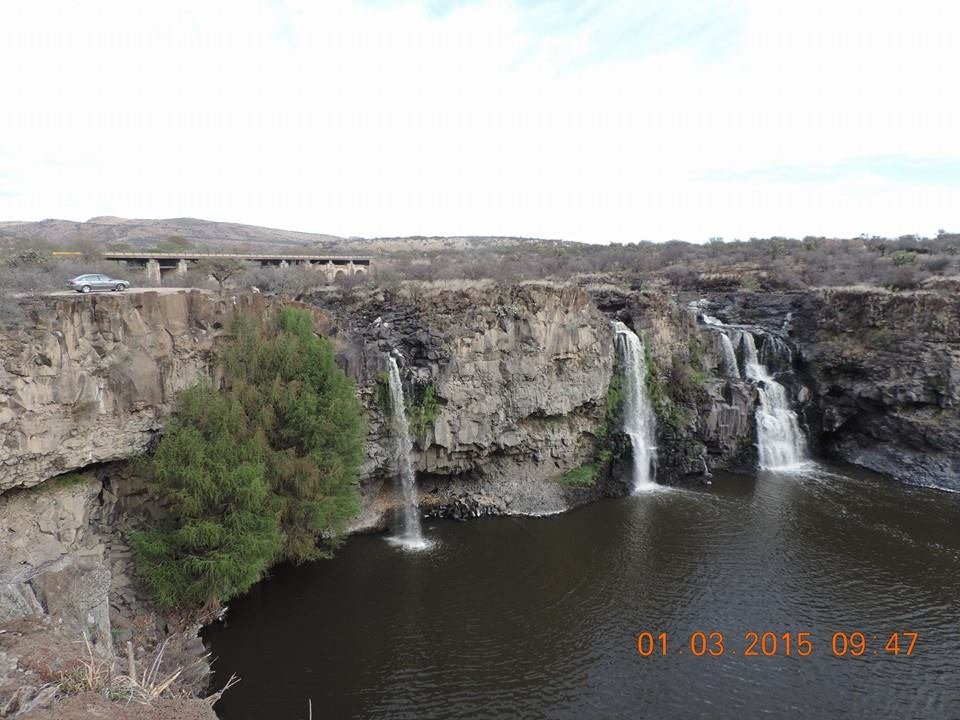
[(86, 283)]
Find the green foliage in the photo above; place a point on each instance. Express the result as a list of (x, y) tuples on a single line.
[(586, 475), (223, 532), (613, 410), (583, 476), (673, 388), (62, 481), (904, 257), (264, 471), (383, 392), (423, 414)]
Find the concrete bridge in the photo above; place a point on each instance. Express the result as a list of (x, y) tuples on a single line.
[(157, 264)]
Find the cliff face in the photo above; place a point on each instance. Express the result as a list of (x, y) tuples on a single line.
[(705, 420), (505, 389), (885, 373), (93, 378), (887, 367)]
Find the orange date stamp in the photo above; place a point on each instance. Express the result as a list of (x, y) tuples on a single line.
[(842, 644)]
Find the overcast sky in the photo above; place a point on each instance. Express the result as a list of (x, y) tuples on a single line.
[(587, 120)]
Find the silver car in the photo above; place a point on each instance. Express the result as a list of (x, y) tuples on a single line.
[(86, 283)]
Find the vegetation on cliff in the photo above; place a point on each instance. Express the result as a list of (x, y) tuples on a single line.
[(263, 471)]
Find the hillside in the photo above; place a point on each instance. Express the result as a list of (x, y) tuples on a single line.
[(145, 234)]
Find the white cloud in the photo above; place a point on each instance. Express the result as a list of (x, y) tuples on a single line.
[(374, 119)]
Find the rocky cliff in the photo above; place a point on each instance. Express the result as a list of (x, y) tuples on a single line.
[(884, 369), (92, 378), (506, 389), (89, 382)]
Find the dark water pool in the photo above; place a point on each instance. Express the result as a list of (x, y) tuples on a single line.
[(538, 618)]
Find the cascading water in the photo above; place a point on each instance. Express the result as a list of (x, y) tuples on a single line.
[(411, 536), (780, 443), (730, 367), (638, 420)]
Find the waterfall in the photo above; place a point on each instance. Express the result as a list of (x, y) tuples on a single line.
[(410, 537), (780, 443), (730, 367), (638, 420)]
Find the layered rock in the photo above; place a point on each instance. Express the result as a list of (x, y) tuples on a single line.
[(516, 380), (705, 420), (884, 368), (93, 378)]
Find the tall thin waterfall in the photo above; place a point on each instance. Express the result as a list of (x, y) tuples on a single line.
[(638, 420), (780, 442), (410, 535), (730, 367)]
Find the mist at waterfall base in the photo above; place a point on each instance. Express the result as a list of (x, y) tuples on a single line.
[(638, 419), (539, 617), (410, 536)]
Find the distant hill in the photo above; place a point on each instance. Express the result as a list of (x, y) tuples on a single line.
[(142, 234), (139, 234)]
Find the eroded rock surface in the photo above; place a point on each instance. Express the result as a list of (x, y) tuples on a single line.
[(94, 377)]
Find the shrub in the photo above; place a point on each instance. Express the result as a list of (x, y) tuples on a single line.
[(223, 532), (424, 413), (307, 409)]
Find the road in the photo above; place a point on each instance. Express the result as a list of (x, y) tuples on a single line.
[(128, 291)]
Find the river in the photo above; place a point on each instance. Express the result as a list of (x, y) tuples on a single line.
[(539, 617)]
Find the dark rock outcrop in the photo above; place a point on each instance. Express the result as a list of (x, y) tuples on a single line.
[(884, 368)]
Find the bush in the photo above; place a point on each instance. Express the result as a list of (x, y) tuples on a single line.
[(307, 408), (223, 533), (263, 471)]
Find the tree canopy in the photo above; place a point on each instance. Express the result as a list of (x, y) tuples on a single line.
[(262, 471)]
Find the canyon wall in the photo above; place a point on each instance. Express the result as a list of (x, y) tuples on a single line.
[(92, 378), (884, 369), (507, 390), (515, 383)]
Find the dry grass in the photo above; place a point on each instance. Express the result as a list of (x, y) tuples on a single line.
[(103, 677)]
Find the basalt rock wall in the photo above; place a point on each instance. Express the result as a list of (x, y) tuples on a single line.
[(91, 379), (884, 368)]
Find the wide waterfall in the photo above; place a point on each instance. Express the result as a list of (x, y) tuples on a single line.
[(410, 535), (638, 419), (780, 442)]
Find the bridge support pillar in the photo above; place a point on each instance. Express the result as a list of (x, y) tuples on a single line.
[(153, 272), (181, 267), (284, 264)]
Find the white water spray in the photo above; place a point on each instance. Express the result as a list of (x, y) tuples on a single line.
[(410, 537), (638, 420), (780, 442)]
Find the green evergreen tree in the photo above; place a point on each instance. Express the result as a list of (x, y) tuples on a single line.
[(223, 530), (308, 410), (264, 471)]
